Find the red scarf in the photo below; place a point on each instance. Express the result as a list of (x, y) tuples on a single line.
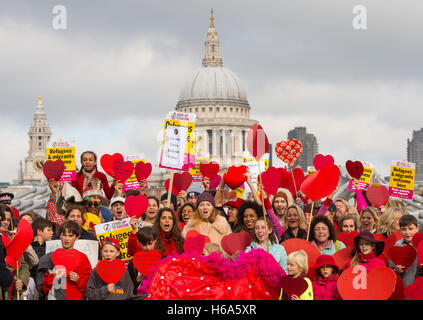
[(168, 243), (364, 258)]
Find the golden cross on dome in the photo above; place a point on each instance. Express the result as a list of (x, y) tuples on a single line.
[(39, 100), (211, 19)]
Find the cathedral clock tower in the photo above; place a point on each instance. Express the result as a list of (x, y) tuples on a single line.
[(39, 136)]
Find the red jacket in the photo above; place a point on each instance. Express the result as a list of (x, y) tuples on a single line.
[(168, 244), (325, 289), (369, 261), (79, 183), (74, 289)]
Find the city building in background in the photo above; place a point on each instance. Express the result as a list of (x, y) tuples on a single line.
[(310, 147), (415, 152)]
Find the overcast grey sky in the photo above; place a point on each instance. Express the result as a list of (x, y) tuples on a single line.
[(109, 79)]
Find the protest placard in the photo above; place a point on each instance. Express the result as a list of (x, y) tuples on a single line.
[(251, 163), (401, 181), (65, 151), (365, 179), (195, 172), (132, 183), (89, 247), (178, 147), (120, 230)]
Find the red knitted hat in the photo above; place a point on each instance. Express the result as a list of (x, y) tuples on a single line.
[(235, 204), (114, 242)]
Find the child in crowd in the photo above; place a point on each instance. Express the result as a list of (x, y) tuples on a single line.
[(366, 250), (145, 240), (97, 289), (297, 266), (324, 287), (408, 228), (259, 242), (76, 280)]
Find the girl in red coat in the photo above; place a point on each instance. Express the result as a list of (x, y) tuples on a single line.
[(88, 172), (324, 287), (366, 250)]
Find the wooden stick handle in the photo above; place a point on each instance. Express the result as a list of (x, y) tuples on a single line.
[(295, 185), (17, 278), (311, 219), (264, 207), (169, 192)]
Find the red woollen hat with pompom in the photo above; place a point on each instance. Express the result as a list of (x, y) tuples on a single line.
[(114, 242)]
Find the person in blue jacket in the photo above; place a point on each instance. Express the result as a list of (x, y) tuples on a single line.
[(273, 247)]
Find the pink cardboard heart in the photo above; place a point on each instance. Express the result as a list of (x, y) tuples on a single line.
[(234, 242), (136, 205), (257, 142), (378, 196), (321, 161), (214, 183)]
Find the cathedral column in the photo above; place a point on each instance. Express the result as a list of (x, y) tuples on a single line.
[(214, 143)]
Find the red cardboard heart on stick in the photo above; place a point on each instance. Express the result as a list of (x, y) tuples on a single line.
[(293, 286), (347, 238), (257, 143), (394, 237), (142, 170), (403, 256), (123, 170), (355, 169), (210, 169), (416, 239), (53, 170), (321, 161), (342, 257), (235, 177), (182, 181), (144, 261), (20, 241), (69, 259), (214, 183), (111, 271), (321, 183), (415, 291), (175, 191), (136, 205), (377, 195), (296, 244), (234, 242), (271, 180), (194, 233), (289, 151), (398, 293), (356, 284), (107, 160)]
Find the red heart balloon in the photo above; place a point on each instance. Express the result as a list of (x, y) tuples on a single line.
[(355, 169), (194, 245), (296, 244), (53, 170), (416, 239), (123, 170), (106, 162), (390, 242), (293, 286), (182, 181), (234, 242), (144, 261), (214, 183), (399, 289), (210, 169), (378, 196), (271, 180), (175, 191), (69, 259), (142, 170), (403, 256), (347, 238), (415, 291), (20, 241), (136, 205), (289, 151), (193, 233), (342, 257), (378, 284), (321, 183), (321, 161), (257, 142), (111, 271), (235, 177)]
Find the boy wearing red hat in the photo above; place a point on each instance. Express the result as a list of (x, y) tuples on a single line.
[(324, 287)]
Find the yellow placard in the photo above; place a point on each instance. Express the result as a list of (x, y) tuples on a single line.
[(120, 230), (402, 178), (66, 154)]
